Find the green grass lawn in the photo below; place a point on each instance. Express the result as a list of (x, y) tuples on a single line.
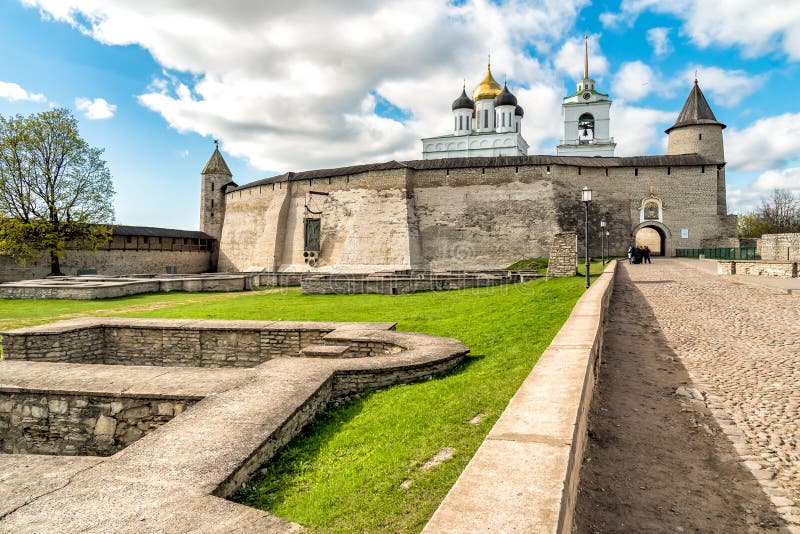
[(344, 472)]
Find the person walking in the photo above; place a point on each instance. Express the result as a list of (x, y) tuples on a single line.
[(630, 254), (647, 254)]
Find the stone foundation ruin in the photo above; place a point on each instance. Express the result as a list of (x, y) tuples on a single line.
[(187, 410)]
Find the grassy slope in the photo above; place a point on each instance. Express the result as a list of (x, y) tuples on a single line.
[(343, 474)]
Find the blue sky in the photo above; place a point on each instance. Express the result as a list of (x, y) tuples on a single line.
[(299, 85)]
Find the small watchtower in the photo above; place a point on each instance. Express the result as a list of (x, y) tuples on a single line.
[(697, 130), (214, 179)]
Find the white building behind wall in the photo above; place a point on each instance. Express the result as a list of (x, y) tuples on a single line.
[(586, 119), (488, 124)]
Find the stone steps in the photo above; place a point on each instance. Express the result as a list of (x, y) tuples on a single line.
[(324, 351)]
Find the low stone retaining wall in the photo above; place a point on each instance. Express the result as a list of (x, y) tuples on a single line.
[(181, 343), (780, 247), (524, 477), (405, 282), (171, 479), (79, 424), (776, 269), (102, 287)]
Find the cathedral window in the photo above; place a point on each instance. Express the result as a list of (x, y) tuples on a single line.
[(504, 119), (460, 122), (485, 118)]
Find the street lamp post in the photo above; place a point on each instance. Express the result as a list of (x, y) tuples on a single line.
[(586, 198), (608, 246), (602, 240)]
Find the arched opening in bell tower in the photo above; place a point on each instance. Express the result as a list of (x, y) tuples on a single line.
[(586, 128)]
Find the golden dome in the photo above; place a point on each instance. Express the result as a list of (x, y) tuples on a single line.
[(488, 88)]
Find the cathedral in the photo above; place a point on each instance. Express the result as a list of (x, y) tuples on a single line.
[(477, 199)]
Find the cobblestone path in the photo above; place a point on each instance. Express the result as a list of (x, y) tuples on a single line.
[(726, 354), (741, 346)]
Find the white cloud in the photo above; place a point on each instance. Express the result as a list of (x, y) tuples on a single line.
[(638, 130), (96, 109), (726, 88), (569, 58), (288, 87), (765, 144), (757, 29), (658, 38), (15, 92), (633, 81), (746, 199)]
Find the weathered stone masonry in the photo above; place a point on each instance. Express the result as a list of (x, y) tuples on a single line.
[(175, 474), (78, 424), (470, 213)]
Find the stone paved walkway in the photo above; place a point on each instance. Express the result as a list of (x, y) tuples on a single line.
[(740, 345)]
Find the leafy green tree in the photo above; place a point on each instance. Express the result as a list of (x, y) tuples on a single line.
[(752, 225), (55, 190)]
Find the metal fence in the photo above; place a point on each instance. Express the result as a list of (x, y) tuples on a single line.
[(725, 253)]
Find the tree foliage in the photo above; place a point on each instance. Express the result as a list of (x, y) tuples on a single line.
[(55, 189), (778, 214)]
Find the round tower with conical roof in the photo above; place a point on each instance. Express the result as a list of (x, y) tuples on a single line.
[(214, 179), (697, 130)]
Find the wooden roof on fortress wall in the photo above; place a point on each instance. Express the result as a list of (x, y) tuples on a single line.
[(499, 161)]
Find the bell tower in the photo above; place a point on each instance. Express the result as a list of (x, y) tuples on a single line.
[(586, 118)]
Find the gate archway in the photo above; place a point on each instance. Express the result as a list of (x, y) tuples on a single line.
[(653, 234)]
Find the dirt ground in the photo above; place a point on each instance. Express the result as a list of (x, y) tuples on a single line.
[(657, 461)]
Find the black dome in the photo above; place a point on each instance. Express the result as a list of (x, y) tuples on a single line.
[(463, 101), (519, 112), (505, 98)]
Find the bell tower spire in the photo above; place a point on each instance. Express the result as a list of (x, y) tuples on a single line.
[(585, 57)]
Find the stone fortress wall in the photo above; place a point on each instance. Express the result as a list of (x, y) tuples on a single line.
[(780, 247), (110, 262), (474, 213)]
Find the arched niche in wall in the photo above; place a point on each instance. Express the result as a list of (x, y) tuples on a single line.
[(651, 209)]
